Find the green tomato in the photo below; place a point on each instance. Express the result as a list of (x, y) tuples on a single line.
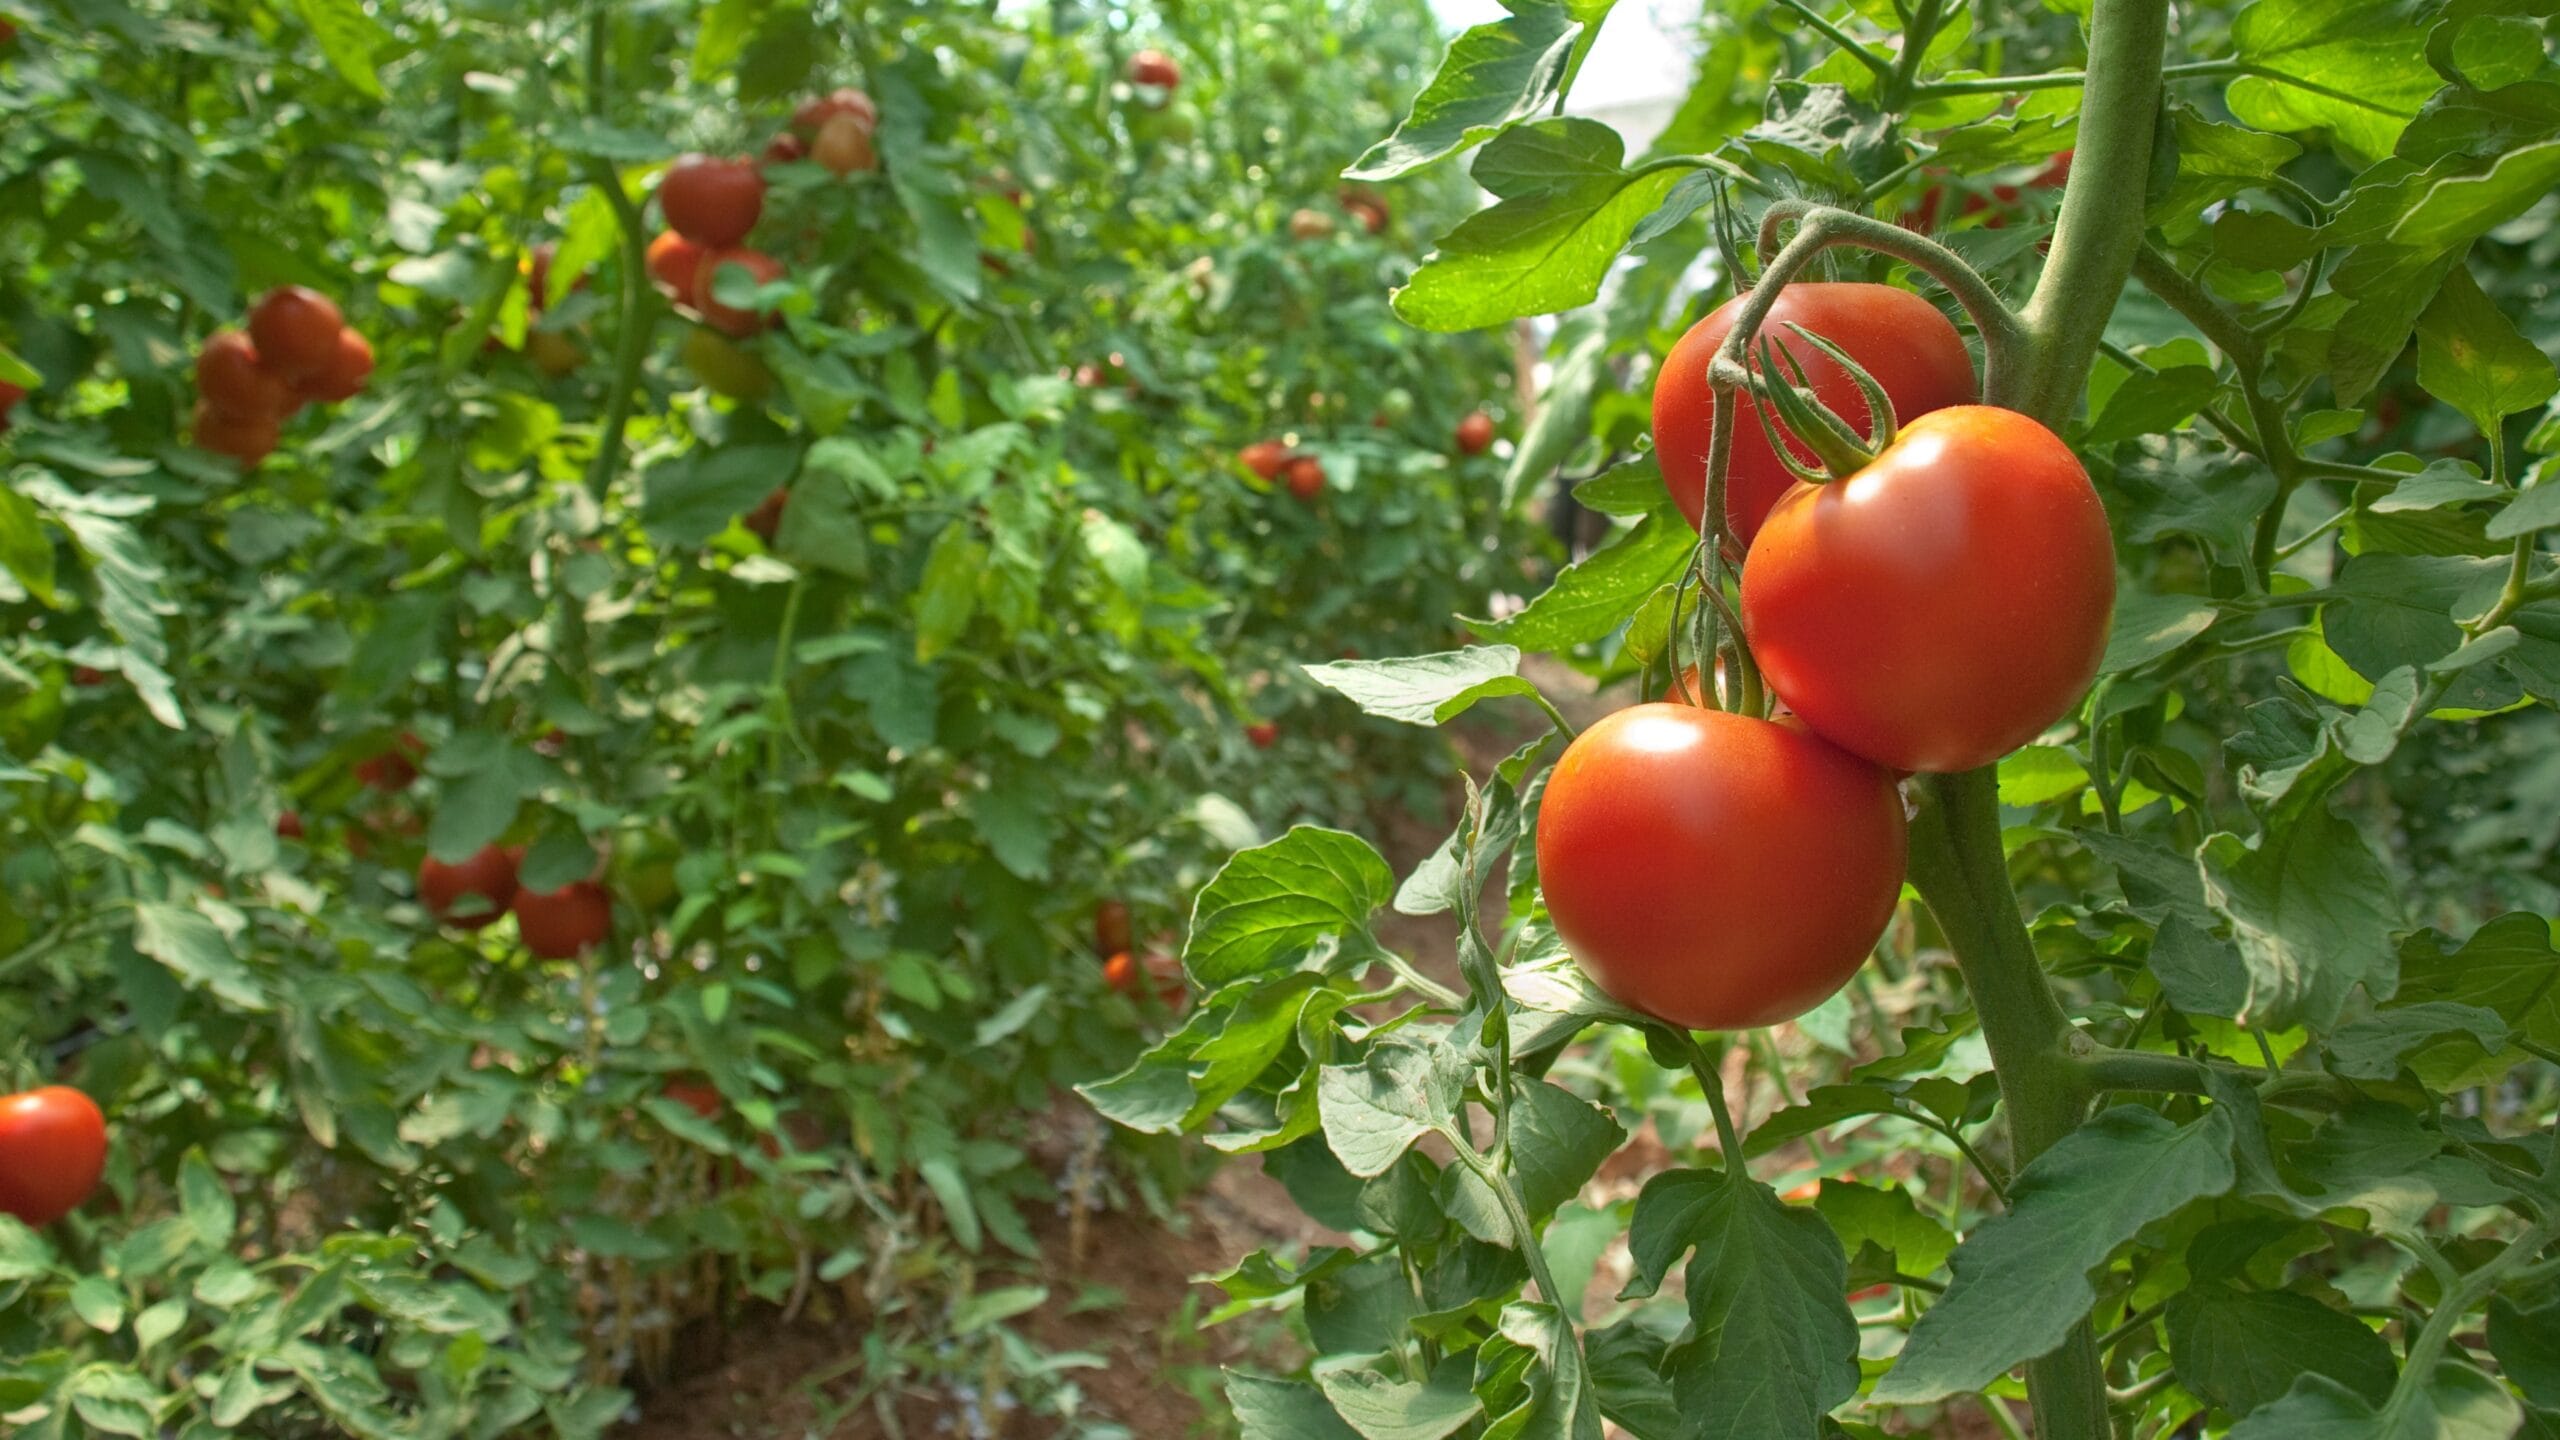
[(725, 368)]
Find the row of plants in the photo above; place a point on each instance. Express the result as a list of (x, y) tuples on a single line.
[(2088, 542), (604, 827)]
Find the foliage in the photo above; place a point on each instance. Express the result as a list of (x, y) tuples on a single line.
[(2259, 937)]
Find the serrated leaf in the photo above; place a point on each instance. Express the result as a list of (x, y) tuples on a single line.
[(1493, 76), (1595, 595), (348, 37), (1376, 1107), (2471, 357), (1413, 688), (1269, 904)]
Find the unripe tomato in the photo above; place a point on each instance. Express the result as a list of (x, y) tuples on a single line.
[(10, 395), (553, 353), (1475, 434), (762, 268), (1263, 733), (289, 825), (814, 114), (1715, 870), (558, 924), (1306, 477), (345, 372), (1265, 458), (296, 331), (844, 146), (712, 202), (53, 1148), (245, 438), (1111, 927), (725, 368), (765, 521), (673, 262), (1895, 335), (472, 892), (230, 379), (1156, 68), (1942, 606)]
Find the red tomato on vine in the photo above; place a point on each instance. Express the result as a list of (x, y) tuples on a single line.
[(560, 924), (673, 262), (1475, 434), (344, 373), (712, 202), (232, 381), (1265, 458), (761, 268), (10, 395), (1306, 477), (296, 332), (472, 891), (53, 1148), (1714, 870), (1942, 606), (1893, 334)]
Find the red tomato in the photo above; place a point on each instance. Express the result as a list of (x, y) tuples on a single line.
[(673, 262), (296, 331), (1857, 1297), (1263, 733), (1371, 215), (245, 438), (1111, 927), (1310, 224), (1714, 870), (712, 202), (345, 373), (558, 924), (289, 825), (1942, 606), (88, 676), (8, 37), (10, 395), (698, 1096), (53, 1148), (1265, 458), (1898, 337), (765, 521), (1154, 67), (814, 114), (1475, 434), (844, 146), (469, 893), (231, 381), (393, 769), (784, 148), (1306, 477), (728, 319)]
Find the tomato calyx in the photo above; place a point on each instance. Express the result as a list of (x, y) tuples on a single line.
[(1781, 383)]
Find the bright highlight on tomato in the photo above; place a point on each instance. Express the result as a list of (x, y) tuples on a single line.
[(53, 1148), (1944, 605), (1893, 334), (1715, 870)]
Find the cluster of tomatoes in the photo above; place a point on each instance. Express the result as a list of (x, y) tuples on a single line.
[(1303, 474), (1942, 605), (1357, 201), (1123, 971), (710, 204), (298, 350)]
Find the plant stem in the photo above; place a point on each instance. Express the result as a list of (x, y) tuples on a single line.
[(1711, 1080)]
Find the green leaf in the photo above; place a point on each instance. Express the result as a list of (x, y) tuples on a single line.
[(25, 550), (206, 1201), (2022, 1277), (994, 1307), (2537, 508), (1775, 1346), (947, 596), (1016, 1013), (1560, 423), (1635, 488), (1269, 904), (349, 37), (2242, 1349), (1375, 1108), (2147, 626), (1567, 211), (1494, 76), (2367, 57), (2312, 910), (1594, 596), (1886, 1222), (1384, 1407), (1283, 1410), (2457, 1403), (2153, 403), (1558, 1142), (2527, 1344), (98, 1303), (195, 951), (2373, 1048), (1414, 689), (2471, 357), (2443, 483)]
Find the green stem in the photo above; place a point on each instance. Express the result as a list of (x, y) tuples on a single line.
[(1922, 29), (2063, 80), (1711, 1081), (1843, 39), (2101, 223), (1515, 1211)]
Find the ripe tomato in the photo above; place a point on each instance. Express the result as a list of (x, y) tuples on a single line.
[(784, 148), (844, 146), (1306, 477), (1310, 224), (1265, 458), (712, 202), (1371, 215), (762, 268), (345, 372), (394, 768), (469, 893), (1942, 606), (814, 114), (245, 438), (289, 825), (1111, 927), (1263, 733), (765, 521), (1475, 434), (88, 676), (673, 262), (1895, 335), (296, 331), (558, 924), (698, 1096), (10, 395), (1154, 67), (53, 1148), (1715, 870), (230, 379)]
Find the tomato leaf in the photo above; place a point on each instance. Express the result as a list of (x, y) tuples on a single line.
[(1594, 596), (2022, 1277), (1374, 1108), (2456, 1403), (1494, 76), (1283, 1410), (1419, 689), (1268, 905), (2471, 356), (2243, 1349)]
